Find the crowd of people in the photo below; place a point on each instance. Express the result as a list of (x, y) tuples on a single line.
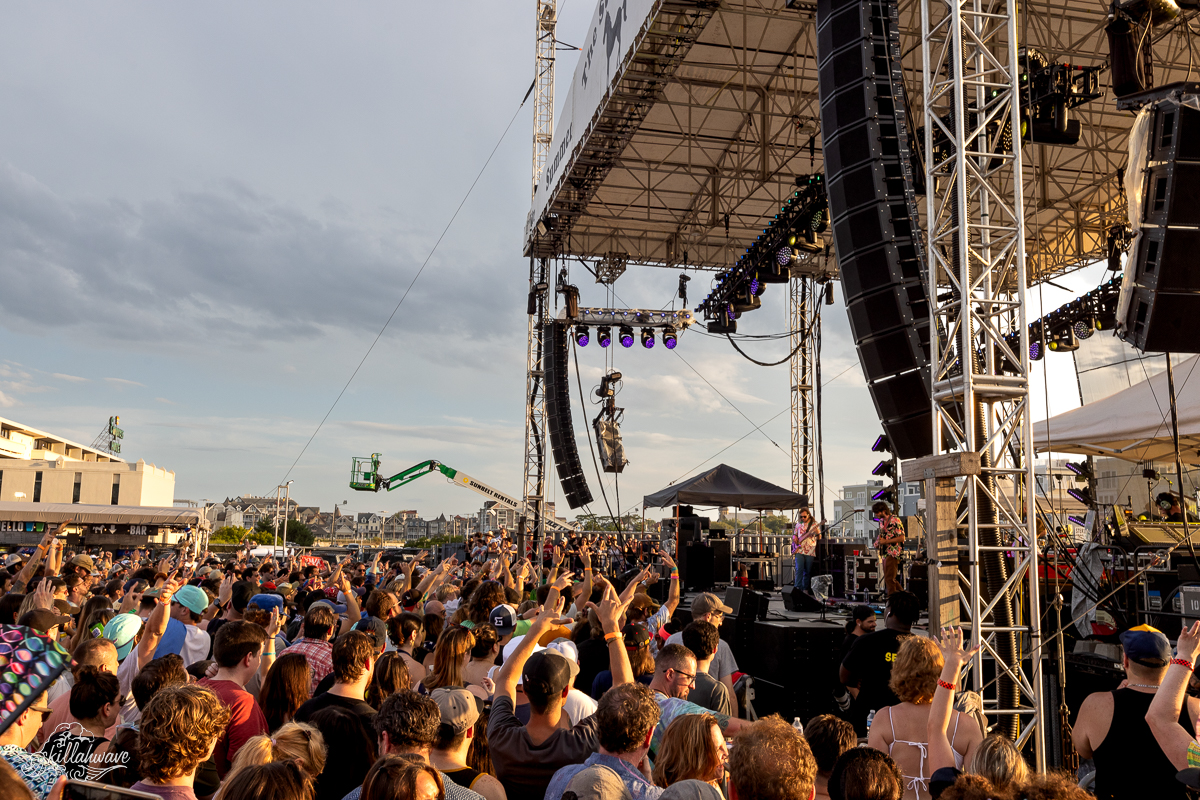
[(236, 678)]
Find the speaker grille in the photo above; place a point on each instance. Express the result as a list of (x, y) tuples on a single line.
[(872, 204), (558, 416)]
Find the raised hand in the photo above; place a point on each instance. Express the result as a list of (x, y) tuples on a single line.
[(951, 645), (562, 581), (666, 559), (273, 624), (1189, 642), (43, 595)]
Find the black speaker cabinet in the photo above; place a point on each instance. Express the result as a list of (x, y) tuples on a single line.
[(746, 603), (793, 665), (696, 568), (558, 417), (722, 560), (872, 206)]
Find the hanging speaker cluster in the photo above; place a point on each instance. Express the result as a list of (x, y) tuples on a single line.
[(872, 204), (558, 416)]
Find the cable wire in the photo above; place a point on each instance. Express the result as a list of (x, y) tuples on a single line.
[(403, 297)]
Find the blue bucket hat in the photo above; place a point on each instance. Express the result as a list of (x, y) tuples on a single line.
[(192, 598), (122, 630)]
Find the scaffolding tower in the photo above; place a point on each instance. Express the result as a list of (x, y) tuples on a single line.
[(803, 321), (980, 384)]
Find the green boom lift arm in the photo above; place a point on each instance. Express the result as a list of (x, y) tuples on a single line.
[(365, 476)]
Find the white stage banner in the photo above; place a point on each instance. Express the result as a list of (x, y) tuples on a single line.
[(617, 27)]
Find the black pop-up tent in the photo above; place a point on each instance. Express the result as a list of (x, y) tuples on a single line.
[(725, 486)]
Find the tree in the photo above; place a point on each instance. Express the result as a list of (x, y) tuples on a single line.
[(299, 534), (231, 534)]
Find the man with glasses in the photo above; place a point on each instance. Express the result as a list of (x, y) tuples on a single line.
[(38, 772), (707, 607), (804, 549), (674, 676)]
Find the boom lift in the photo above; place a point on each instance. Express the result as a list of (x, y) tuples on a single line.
[(365, 476)]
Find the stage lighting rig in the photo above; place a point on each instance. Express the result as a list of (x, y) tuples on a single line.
[(1081, 469), (582, 335), (669, 338), (683, 282), (769, 259), (607, 425), (1083, 495), (604, 336), (1063, 328), (882, 445), (885, 469), (625, 336), (608, 385), (1048, 93), (648, 338)]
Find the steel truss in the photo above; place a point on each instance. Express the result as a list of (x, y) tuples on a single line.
[(536, 456), (804, 297), (543, 98), (975, 228)]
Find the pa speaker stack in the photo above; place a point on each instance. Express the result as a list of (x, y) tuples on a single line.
[(558, 416), (869, 178), (1160, 296)]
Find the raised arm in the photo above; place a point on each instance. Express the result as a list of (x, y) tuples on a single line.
[(156, 625), (26, 574), (506, 678), (673, 594), (1163, 716), (954, 655), (353, 612), (609, 613)]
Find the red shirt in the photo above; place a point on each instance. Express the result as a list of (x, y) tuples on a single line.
[(246, 720)]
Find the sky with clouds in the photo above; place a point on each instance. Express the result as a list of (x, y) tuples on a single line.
[(208, 210)]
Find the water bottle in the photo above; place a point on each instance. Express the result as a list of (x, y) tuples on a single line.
[(798, 725), (870, 718)]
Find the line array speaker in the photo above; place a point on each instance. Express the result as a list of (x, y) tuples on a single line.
[(872, 203), (558, 416), (1161, 291)]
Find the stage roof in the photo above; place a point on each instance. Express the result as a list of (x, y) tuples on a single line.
[(712, 112)]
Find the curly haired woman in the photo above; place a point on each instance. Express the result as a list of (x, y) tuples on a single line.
[(179, 729)]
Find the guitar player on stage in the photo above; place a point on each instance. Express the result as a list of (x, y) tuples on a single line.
[(804, 549), (889, 545)]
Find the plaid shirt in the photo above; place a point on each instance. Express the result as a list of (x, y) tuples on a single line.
[(319, 655)]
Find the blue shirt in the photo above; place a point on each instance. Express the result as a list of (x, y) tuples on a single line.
[(639, 788), (38, 772)]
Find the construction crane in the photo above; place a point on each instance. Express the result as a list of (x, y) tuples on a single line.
[(366, 476)]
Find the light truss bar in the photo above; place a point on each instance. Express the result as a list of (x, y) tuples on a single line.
[(977, 273), (635, 317)]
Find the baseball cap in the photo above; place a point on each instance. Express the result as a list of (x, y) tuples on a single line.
[(597, 782), (84, 561), (503, 618), (66, 607), (267, 602), (1147, 646), (706, 603), (458, 707), (13, 558), (285, 589), (42, 620), (122, 630), (567, 649), (192, 598), (375, 628), (548, 671), (691, 789), (200, 573), (636, 636)]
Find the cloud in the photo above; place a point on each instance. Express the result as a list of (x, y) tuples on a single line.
[(233, 265), (166, 401), (71, 378), (6, 401), (124, 382)]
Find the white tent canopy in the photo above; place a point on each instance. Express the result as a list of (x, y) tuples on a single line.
[(1133, 424)]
